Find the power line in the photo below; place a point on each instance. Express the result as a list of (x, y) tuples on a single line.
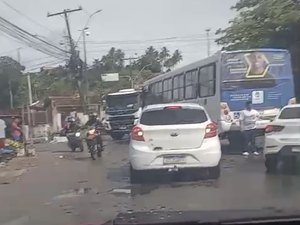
[(29, 39), (167, 39), (40, 65), (25, 16)]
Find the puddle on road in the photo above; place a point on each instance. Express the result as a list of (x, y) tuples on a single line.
[(75, 193)]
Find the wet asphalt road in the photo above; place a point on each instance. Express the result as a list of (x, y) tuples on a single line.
[(76, 190)]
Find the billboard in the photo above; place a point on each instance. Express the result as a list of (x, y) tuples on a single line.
[(107, 77)]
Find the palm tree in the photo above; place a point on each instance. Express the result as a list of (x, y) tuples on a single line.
[(174, 60)]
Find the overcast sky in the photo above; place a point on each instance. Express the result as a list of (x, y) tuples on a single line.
[(131, 25)]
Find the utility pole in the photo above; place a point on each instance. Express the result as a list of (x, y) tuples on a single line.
[(208, 41), (87, 86), (75, 62), (84, 47), (65, 13), (130, 69), (30, 101)]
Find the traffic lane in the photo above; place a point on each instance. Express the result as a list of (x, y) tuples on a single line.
[(243, 185), (73, 189)]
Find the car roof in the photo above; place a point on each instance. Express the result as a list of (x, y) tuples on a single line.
[(161, 106), (292, 106)]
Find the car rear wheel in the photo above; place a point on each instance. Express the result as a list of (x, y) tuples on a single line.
[(271, 164), (136, 176), (214, 172)]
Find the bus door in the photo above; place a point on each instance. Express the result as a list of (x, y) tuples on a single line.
[(209, 96)]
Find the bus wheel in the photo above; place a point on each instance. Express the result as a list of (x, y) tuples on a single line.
[(236, 141)]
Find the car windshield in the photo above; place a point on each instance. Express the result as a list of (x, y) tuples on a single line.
[(122, 101), (178, 106), (290, 113), (173, 116)]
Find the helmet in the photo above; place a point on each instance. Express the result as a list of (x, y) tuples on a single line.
[(93, 115), (71, 119)]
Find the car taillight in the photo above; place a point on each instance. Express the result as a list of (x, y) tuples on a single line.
[(211, 130), (137, 134), (273, 128)]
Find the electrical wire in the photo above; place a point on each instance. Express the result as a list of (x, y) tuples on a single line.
[(25, 16), (156, 40), (31, 40)]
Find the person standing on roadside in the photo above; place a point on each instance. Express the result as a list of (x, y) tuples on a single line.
[(248, 118), (16, 130)]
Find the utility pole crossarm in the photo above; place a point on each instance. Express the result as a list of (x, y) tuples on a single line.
[(64, 12)]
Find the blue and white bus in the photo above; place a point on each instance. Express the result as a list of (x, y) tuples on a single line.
[(223, 83)]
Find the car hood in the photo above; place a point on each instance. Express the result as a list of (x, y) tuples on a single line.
[(200, 217)]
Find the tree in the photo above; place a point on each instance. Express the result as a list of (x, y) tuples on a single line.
[(113, 61), (10, 76), (174, 60), (150, 58), (268, 23), (159, 60)]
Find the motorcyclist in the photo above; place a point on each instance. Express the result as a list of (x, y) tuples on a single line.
[(71, 125), (93, 117), (95, 122)]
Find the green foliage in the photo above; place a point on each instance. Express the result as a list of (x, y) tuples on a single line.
[(157, 61), (113, 61), (268, 23), (10, 77), (58, 81)]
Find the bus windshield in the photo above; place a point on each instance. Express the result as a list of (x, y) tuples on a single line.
[(250, 70)]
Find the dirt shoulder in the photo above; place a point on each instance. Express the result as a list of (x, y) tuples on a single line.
[(13, 169)]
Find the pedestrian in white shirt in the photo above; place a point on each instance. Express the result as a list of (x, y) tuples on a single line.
[(248, 118)]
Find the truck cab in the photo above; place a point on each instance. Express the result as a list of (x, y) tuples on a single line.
[(123, 109)]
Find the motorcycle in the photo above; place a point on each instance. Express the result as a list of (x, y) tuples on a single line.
[(75, 141), (94, 141)]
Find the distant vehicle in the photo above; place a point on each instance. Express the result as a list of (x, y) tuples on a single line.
[(123, 109), (223, 83), (171, 137), (283, 137)]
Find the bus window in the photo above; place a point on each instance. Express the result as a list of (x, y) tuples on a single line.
[(191, 81), (167, 90), (178, 87), (207, 81)]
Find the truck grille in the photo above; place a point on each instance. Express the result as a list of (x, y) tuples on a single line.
[(117, 122), (121, 112)]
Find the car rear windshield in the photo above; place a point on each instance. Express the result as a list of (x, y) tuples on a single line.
[(173, 116), (290, 113)]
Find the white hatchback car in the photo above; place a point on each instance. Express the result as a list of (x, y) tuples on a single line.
[(173, 137), (282, 137)]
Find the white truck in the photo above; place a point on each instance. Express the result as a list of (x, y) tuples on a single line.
[(122, 110)]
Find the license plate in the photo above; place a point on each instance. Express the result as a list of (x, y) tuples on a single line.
[(296, 149), (123, 128), (174, 160)]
